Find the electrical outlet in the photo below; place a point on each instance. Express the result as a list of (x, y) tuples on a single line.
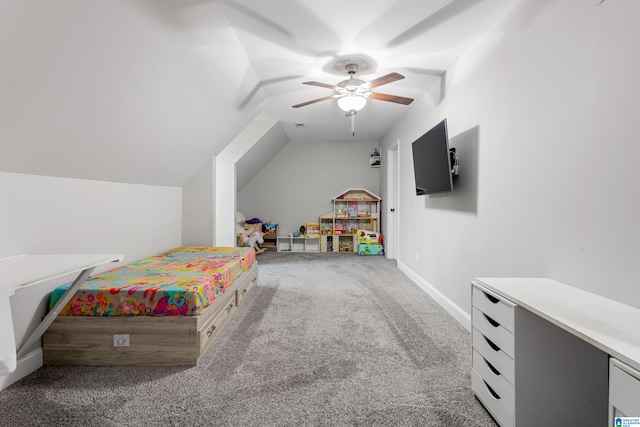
[(417, 256), (121, 340)]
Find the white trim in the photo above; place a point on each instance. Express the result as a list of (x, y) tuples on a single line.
[(396, 200), (26, 366), (454, 310), (392, 220)]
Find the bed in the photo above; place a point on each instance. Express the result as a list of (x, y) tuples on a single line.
[(163, 310)]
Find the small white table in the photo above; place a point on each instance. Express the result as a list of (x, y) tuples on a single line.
[(21, 271)]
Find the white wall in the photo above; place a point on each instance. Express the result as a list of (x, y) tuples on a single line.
[(153, 89), (226, 179), (543, 112), (260, 154), (42, 215), (296, 187), (198, 207), (63, 215)]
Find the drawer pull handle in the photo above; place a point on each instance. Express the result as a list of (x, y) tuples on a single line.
[(230, 307), (491, 298), (244, 291), (211, 329), (494, 370), (493, 393), (491, 344), (490, 320)]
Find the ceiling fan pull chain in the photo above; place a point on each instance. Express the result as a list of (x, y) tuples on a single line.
[(353, 123)]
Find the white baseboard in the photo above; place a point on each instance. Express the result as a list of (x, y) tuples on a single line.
[(452, 308), (26, 365)]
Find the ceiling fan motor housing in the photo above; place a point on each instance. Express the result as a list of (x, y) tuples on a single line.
[(351, 68), (352, 86)]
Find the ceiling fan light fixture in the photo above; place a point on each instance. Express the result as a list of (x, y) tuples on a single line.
[(352, 102)]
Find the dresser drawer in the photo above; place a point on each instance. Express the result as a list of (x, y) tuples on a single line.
[(498, 308), (498, 358), (491, 400), (494, 378), (491, 329), (624, 390)]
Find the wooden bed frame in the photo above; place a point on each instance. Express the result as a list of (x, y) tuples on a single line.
[(153, 340)]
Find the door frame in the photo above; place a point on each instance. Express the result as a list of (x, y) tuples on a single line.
[(392, 239)]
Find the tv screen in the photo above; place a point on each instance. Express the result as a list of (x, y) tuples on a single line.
[(432, 162)]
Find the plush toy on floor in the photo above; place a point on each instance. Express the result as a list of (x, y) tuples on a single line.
[(248, 237)]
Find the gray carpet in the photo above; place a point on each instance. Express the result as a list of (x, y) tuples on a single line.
[(325, 339)]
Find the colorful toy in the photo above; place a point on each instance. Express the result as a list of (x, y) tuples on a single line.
[(364, 249), (370, 243), (313, 230), (270, 227), (369, 237)]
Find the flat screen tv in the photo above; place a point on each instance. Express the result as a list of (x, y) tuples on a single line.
[(432, 161)]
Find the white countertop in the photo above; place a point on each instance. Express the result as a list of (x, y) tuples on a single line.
[(609, 325), (22, 271)]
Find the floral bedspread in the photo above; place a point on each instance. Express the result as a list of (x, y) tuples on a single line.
[(179, 282)]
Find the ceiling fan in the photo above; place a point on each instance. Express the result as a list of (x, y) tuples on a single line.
[(352, 94)]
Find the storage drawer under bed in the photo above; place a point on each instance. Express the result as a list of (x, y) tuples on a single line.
[(245, 289), (212, 328)]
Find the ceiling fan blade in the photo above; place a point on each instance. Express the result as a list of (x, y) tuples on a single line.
[(313, 101), (389, 78), (328, 86), (391, 98)]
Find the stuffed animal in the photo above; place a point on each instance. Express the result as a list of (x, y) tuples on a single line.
[(251, 238)]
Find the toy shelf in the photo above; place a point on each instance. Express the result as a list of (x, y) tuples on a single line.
[(298, 244), (270, 240)]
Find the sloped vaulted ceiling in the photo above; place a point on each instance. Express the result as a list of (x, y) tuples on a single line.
[(147, 91), (137, 91)]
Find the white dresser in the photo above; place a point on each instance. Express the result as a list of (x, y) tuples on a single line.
[(541, 353), (493, 373)]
